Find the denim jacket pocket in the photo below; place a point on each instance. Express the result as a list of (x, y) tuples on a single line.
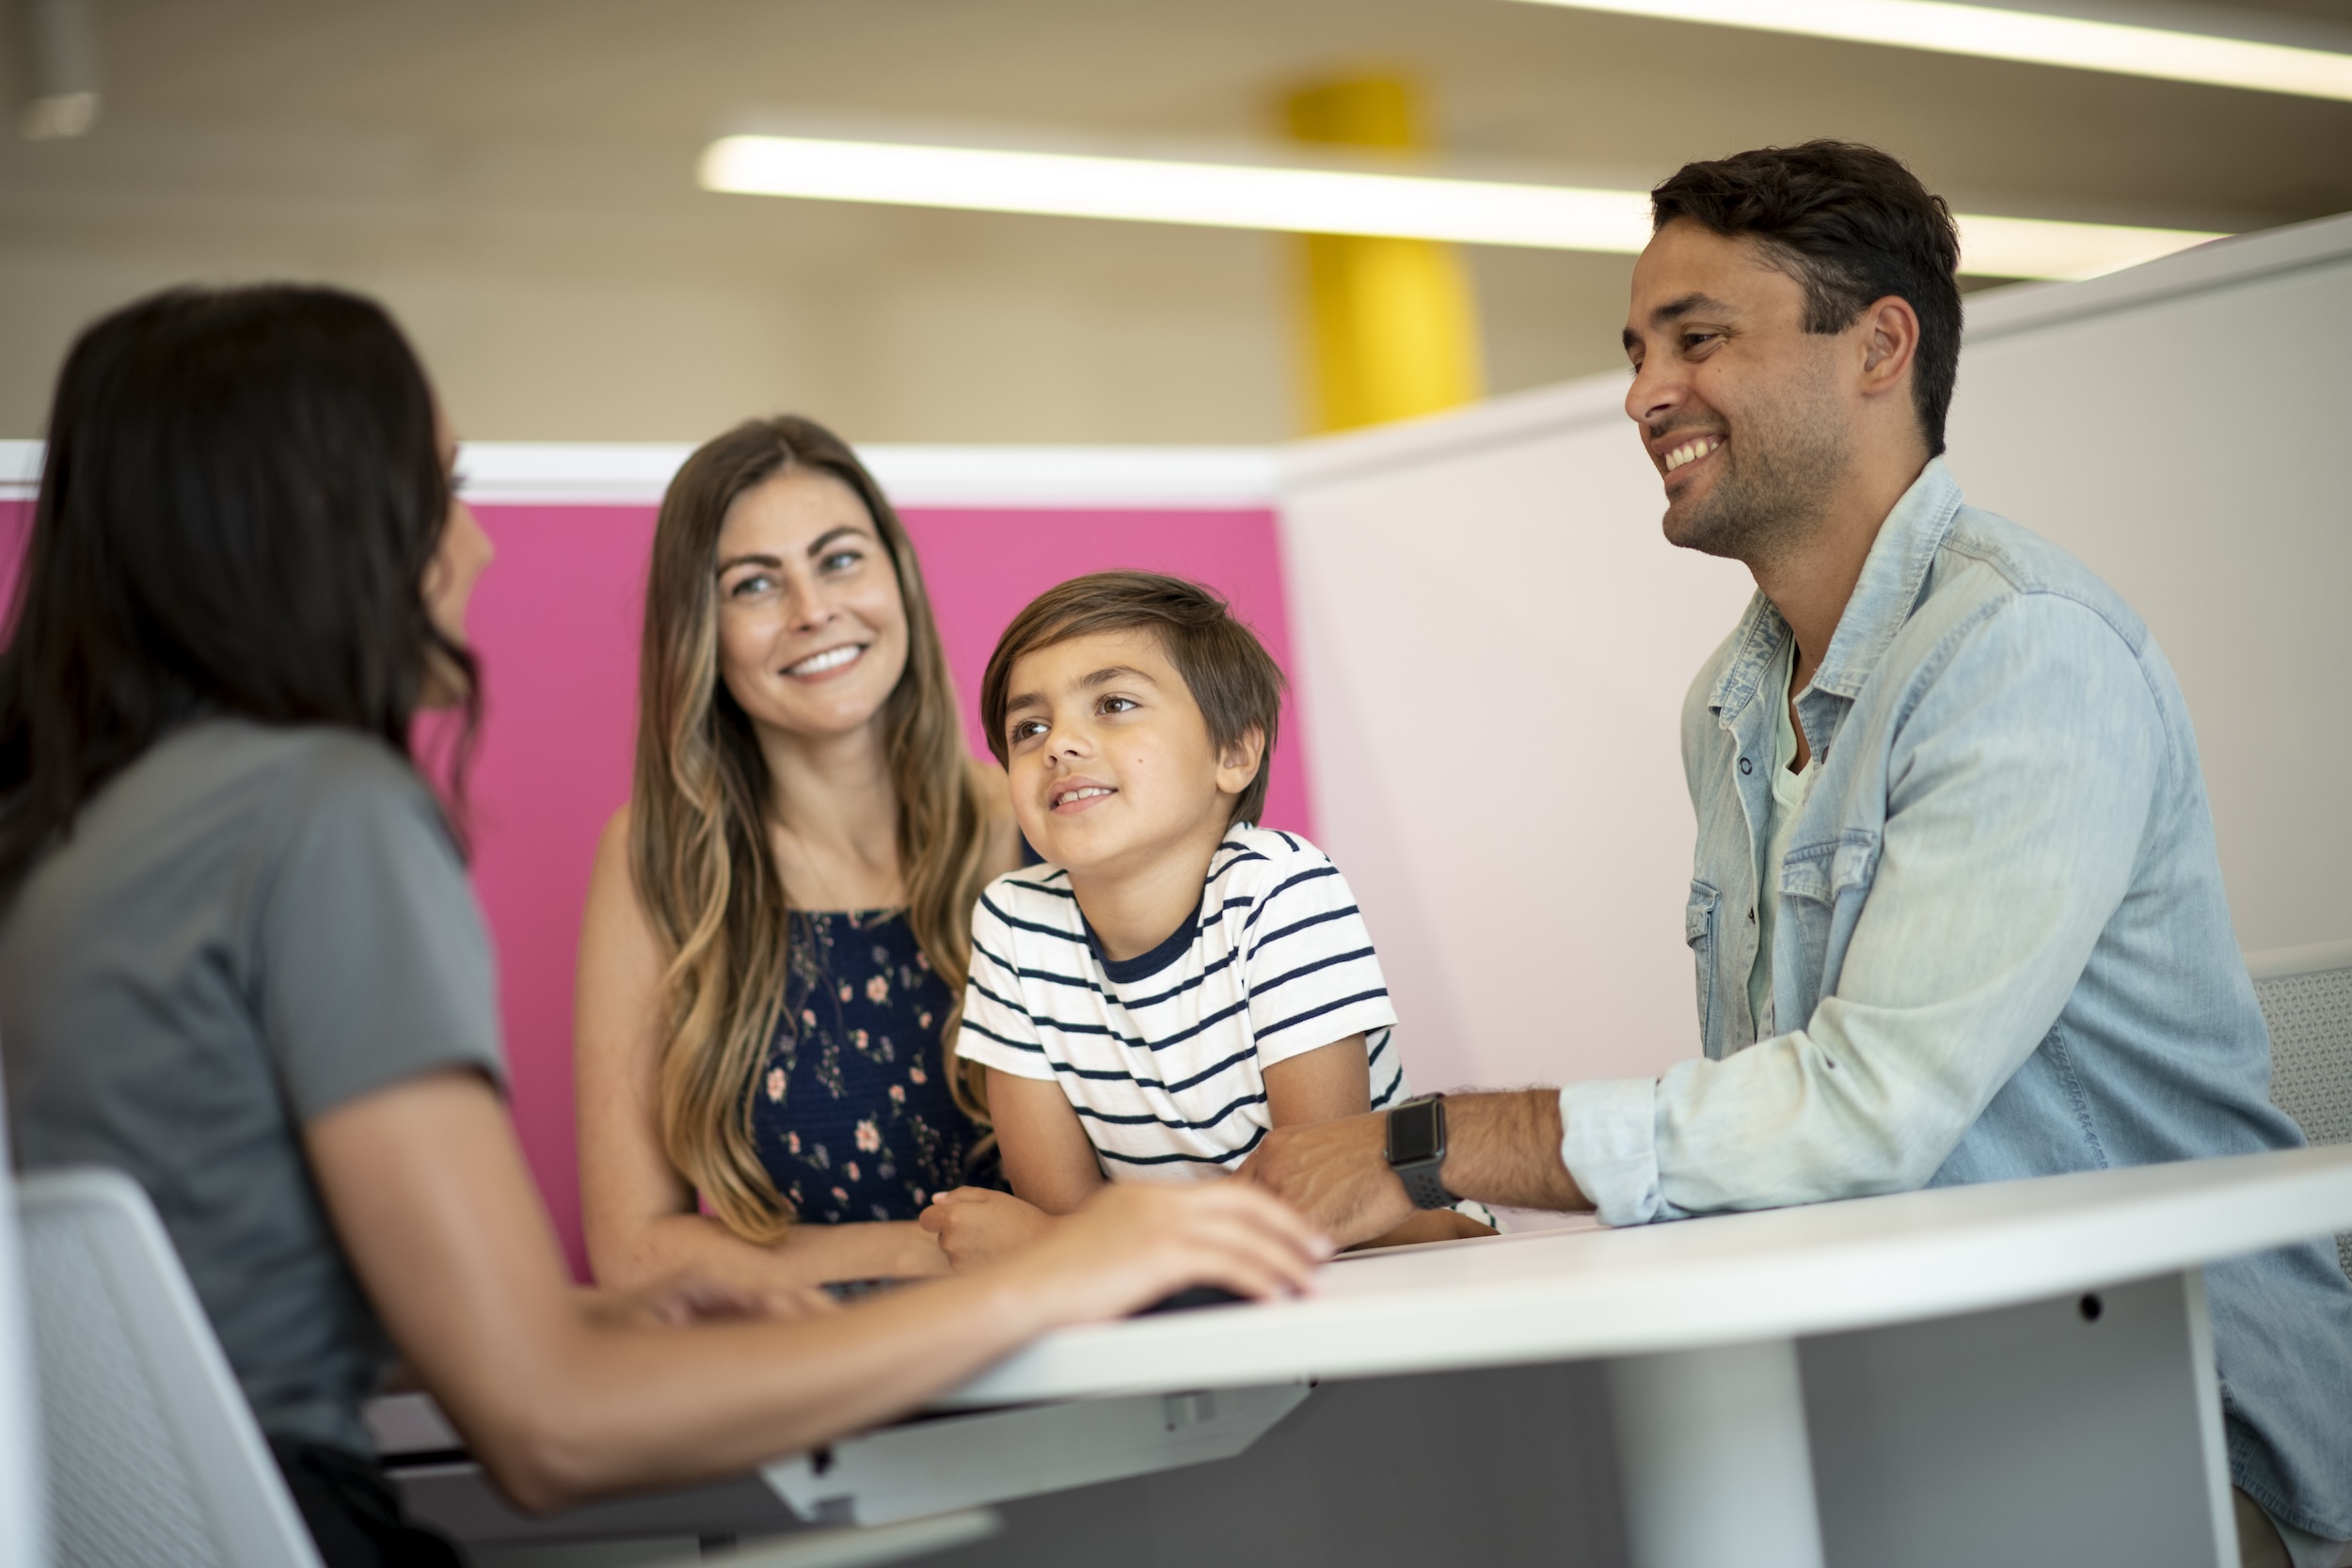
[(1826, 873), (1822, 889), (1854, 864), (1698, 930)]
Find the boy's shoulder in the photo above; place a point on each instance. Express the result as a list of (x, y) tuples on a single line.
[(1034, 898), (1250, 858)]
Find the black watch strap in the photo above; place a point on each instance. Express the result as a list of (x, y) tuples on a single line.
[(1424, 1187), (1416, 1150)]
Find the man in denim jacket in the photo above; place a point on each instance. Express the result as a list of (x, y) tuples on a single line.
[(1957, 912)]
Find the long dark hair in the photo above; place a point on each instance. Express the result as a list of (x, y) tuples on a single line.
[(241, 495)]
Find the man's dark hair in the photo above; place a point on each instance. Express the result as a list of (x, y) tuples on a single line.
[(241, 492), (1851, 224), (1231, 677)]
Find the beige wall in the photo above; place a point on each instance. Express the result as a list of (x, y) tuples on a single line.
[(545, 314), (515, 179)]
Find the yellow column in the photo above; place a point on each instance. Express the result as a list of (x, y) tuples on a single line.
[(1392, 327)]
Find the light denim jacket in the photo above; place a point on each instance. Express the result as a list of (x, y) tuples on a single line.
[(2003, 932)]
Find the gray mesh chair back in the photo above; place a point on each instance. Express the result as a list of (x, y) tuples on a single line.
[(23, 1512), (2306, 995), (153, 1457)]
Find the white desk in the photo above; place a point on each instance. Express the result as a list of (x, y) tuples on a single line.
[(2017, 1373), (1975, 1360)]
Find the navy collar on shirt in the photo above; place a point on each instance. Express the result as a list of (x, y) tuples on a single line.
[(1143, 965)]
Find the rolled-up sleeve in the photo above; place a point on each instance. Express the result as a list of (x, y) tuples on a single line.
[(2019, 787)]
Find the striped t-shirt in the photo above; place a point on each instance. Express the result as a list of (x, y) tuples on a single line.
[(1163, 1055)]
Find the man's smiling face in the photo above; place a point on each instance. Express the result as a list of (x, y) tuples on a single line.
[(1739, 406)]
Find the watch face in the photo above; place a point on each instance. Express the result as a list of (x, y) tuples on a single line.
[(1413, 1133)]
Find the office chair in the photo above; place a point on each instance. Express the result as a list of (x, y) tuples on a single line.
[(154, 1460), (24, 1492), (2306, 996)]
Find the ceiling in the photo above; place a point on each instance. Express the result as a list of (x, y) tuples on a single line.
[(547, 146)]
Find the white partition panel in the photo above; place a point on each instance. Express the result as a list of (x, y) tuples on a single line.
[(2180, 428), (1496, 639)]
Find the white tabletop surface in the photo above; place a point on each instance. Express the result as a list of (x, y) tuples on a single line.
[(1570, 1295)]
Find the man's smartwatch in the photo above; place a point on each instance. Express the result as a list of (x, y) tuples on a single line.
[(1417, 1150)]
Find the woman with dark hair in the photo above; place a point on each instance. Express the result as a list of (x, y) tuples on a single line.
[(239, 959), (779, 922)]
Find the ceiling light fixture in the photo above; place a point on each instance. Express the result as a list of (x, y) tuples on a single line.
[(1998, 34), (1321, 201), (58, 43)]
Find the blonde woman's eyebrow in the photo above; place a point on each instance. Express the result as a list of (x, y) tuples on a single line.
[(830, 535)]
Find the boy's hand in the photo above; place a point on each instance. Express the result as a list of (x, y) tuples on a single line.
[(975, 1225), (1336, 1174)]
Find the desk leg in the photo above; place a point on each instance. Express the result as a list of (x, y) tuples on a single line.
[(1713, 1452), (2085, 1431)]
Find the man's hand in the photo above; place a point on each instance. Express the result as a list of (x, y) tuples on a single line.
[(1499, 1149), (1432, 1224), (975, 1225), (1335, 1173)]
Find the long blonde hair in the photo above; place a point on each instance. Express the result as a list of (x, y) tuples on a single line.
[(698, 841)]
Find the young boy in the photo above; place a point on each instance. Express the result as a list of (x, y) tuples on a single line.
[(1174, 980)]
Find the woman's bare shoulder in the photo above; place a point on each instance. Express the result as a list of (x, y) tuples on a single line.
[(991, 782), (995, 792), (613, 876), (613, 848)]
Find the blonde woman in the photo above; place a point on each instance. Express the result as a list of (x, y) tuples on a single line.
[(779, 922)]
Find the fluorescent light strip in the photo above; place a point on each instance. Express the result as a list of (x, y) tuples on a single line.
[(1220, 196), (1996, 34), (1322, 201)]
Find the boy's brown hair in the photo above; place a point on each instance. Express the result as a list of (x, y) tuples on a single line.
[(1230, 675)]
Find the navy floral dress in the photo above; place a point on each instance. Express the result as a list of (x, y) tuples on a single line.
[(853, 1115)]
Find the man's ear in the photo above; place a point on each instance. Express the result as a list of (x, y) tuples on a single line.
[(1890, 342), (1238, 763)]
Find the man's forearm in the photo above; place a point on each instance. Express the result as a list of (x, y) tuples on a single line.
[(1505, 1149)]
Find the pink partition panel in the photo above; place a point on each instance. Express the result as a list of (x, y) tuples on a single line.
[(555, 621), (15, 517), (984, 565)]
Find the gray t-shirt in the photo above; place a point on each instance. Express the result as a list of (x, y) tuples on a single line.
[(248, 928)]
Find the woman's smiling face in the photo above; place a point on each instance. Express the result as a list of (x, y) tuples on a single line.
[(812, 628)]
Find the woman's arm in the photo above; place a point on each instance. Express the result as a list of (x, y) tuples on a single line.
[(638, 1212), (430, 1197)]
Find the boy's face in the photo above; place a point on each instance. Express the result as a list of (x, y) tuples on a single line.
[(1111, 764)]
